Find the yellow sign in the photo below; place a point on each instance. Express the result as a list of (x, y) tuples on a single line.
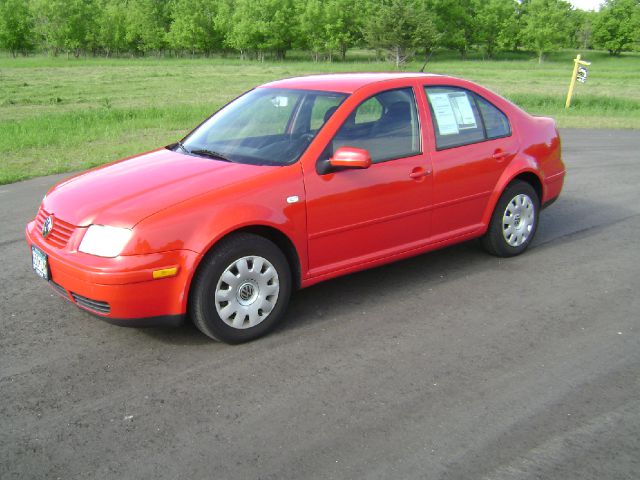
[(579, 73)]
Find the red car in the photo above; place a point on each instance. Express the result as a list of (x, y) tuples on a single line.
[(296, 182)]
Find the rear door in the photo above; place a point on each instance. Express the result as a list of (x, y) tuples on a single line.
[(472, 143)]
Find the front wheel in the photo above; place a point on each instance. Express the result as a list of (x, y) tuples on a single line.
[(514, 221), (241, 289)]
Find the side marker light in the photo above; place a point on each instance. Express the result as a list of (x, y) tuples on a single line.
[(165, 272)]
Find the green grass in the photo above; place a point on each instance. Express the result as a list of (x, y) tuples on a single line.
[(59, 115)]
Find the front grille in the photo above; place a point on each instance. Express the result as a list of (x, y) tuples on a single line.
[(94, 305), (61, 232)]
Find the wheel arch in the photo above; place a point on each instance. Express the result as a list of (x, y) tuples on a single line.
[(532, 179), (282, 241), (528, 176), (279, 238)]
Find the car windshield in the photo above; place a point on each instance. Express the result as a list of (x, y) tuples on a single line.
[(266, 126)]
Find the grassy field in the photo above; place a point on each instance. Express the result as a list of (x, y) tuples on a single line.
[(59, 115)]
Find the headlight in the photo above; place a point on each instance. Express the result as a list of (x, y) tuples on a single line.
[(104, 241)]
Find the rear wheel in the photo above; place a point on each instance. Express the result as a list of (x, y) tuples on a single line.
[(514, 221), (241, 289)]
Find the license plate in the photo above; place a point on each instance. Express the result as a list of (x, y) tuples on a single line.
[(40, 262)]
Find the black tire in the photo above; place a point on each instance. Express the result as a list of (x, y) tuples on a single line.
[(494, 241), (203, 306)]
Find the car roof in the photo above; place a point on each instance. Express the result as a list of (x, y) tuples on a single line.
[(341, 82)]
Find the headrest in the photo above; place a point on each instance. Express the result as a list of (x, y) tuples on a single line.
[(399, 111), (329, 112)]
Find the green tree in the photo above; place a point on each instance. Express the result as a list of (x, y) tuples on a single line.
[(457, 23), (223, 21), (400, 27), (193, 26), (16, 27), (324, 27), (111, 30), (245, 33), (510, 37), (148, 22), (281, 25), (64, 25), (617, 26), (49, 24), (426, 36), (262, 26), (312, 31), (584, 23), (80, 26), (547, 26), (342, 25), (496, 22)]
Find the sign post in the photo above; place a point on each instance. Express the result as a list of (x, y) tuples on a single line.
[(579, 74)]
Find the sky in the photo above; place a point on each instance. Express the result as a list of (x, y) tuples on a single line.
[(586, 4)]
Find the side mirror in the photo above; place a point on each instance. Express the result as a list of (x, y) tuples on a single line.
[(350, 157)]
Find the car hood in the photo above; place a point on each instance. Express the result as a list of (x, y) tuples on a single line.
[(122, 194)]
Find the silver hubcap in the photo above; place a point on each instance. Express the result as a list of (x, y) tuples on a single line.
[(518, 219), (247, 292)]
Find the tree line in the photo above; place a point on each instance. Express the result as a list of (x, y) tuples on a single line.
[(327, 29)]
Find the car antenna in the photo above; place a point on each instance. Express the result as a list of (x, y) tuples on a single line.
[(426, 61)]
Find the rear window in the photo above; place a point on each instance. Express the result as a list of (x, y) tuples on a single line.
[(461, 117), (495, 122)]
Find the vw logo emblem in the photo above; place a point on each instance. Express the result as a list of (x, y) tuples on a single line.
[(47, 226), (246, 292)]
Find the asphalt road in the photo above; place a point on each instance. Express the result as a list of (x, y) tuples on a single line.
[(452, 365)]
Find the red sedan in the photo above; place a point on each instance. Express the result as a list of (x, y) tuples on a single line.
[(296, 182)]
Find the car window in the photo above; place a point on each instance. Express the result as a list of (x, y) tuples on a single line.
[(455, 116), (323, 107), (269, 115), (266, 126), (386, 125), (495, 122)]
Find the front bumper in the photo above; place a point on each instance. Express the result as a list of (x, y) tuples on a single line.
[(120, 290)]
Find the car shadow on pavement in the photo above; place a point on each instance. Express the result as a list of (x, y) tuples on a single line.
[(570, 218), (579, 217), (187, 334)]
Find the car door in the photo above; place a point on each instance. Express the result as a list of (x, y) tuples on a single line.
[(471, 143), (358, 215)]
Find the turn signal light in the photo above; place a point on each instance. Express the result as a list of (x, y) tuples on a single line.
[(165, 272)]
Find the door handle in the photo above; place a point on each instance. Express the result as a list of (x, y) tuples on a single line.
[(419, 172), (500, 155)]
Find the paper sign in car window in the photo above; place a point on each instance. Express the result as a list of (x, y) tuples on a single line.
[(462, 110), (443, 111), (280, 101)]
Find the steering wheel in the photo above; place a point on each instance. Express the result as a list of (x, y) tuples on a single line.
[(306, 138), (298, 145)]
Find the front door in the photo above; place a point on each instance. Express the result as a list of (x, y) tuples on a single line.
[(357, 216)]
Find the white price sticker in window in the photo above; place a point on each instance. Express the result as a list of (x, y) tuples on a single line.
[(442, 109), (453, 112), (462, 110)]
